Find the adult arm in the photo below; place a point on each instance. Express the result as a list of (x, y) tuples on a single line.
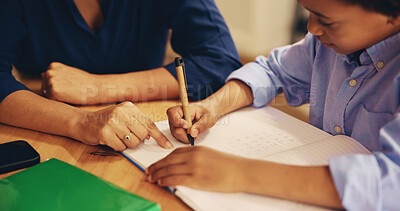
[(199, 35), (21, 107), (72, 85), (107, 127)]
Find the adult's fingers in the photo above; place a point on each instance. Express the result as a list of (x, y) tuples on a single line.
[(48, 85), (149, 125), (137, 128), (43, 89), (129, 139), (114, 142), (158, 136)]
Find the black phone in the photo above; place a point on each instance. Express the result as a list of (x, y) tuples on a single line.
[(17, 155)]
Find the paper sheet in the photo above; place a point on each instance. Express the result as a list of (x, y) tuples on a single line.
[(265, 134)]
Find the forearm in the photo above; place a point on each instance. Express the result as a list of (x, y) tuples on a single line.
[(312, 185), (154, 84), (28, 110), (233, 95)]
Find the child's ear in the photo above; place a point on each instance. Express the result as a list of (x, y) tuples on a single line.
[(394, 20)]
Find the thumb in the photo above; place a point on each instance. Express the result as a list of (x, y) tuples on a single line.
[(200, 126)]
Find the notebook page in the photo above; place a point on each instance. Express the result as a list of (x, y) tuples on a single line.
[(318, 153), (249, 132), (205, 200)]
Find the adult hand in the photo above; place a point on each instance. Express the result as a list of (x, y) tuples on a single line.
[(119, 127), (68, 84), (201, 117), (201, 168)]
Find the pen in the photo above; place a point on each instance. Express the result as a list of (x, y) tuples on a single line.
[(180, 71)]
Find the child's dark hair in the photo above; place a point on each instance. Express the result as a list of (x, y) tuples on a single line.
[(386, 7)]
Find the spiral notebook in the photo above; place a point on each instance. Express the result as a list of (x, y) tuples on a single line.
[(263, 134)]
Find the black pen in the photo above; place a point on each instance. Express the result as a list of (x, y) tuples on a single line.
[(180, 72)]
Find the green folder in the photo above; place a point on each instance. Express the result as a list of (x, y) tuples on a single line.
[(55, 185)]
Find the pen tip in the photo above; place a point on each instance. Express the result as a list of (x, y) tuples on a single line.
[(191, 139)]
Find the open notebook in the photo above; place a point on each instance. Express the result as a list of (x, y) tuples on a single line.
[(264, 134)]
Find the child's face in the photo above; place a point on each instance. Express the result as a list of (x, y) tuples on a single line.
[(347, 28)]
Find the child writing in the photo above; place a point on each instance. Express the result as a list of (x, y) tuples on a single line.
[(348, 69)]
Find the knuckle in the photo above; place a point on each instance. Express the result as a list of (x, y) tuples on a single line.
[(150, 125), (176, 180), (134, 144), (48, 74), (54, 65), (101, 141), (142, 135), (170, 110), (116, 111), (120, 147), (51, 66), (127, 103), (196, 170), (169, 170), (104, 133), (169, 159), (196, 156), (50, 83)]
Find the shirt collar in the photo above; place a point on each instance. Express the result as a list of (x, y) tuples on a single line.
[(384, 51), (379, 53)]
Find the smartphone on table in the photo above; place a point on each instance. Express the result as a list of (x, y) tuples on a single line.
[(16, 155)]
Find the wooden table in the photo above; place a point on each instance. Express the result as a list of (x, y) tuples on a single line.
[(103, 161)]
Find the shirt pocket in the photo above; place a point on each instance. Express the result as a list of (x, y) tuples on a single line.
[(367, 125)]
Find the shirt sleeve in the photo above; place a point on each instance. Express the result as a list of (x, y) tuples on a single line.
[(12, 31), (201, 37), (287, 69), (371, 182)]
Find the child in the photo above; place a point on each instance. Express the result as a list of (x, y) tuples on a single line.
[(348, 69)]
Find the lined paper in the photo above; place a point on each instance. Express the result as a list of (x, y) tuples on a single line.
[(264, 134)]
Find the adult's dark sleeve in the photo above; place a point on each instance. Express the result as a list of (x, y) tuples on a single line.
[(12, 31), (201, 37)]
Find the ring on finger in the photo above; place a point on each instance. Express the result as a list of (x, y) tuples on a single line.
[(128, 137)]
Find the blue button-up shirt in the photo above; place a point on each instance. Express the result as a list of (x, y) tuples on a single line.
[(350, 95), (132, 38)]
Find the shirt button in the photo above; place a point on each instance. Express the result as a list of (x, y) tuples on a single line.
[(352, 82), (380, 65), (337, 129)]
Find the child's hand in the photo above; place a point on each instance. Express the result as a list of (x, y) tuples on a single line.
[(200, 168), (202, 119)]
